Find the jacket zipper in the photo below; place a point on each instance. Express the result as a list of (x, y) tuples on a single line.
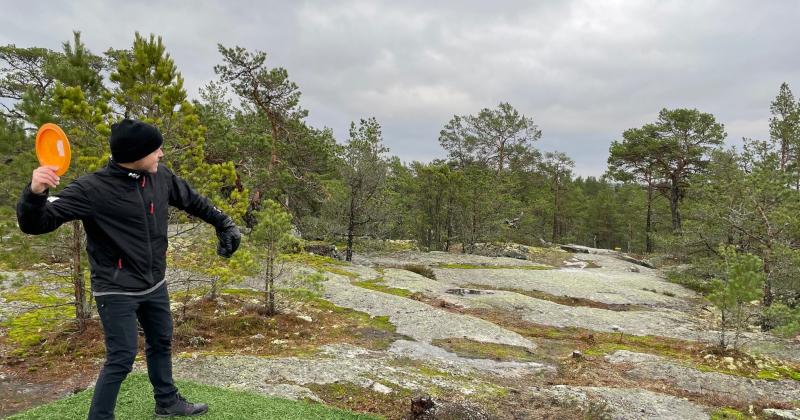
[(116, 272), (147, 229)]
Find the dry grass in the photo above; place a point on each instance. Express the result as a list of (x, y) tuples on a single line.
[(395, 405), (420, 269)]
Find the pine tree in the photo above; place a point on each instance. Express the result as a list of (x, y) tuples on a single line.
[(148, 87), (364, 170)]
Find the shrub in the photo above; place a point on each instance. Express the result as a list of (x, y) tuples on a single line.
[(690, 281), (783, 320), (742, 281)]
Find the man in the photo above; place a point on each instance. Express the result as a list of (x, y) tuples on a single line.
[(123, 208)]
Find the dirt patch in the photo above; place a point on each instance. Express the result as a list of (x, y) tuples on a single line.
[(64, 363), (528, 404), (400, 404), (18, 394), (393, 405)]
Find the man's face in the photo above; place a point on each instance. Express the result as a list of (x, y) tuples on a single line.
[(149, 163)]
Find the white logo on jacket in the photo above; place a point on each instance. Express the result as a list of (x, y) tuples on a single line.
[(133, 175)]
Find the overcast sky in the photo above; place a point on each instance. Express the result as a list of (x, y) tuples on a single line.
[(584, 70)]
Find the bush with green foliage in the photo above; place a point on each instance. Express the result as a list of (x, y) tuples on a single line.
[(742, 280), (784, 320), (273, 234), (690, 281)]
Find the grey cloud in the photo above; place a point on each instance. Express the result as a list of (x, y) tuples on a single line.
[(584, 70)]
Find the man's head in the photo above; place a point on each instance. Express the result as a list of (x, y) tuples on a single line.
[(136, 145)]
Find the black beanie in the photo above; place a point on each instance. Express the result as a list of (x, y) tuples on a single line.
[(132, 140)]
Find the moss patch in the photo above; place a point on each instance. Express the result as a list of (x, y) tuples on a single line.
[(29, 329), (376, 284), (594, 342), (498, 267), (749, 366), (728, 414), (768, 375), (320, 263), (554, 256), (421, 367), (45, 314), (31, 294), (562, 300), (465, 347), (378, 245)]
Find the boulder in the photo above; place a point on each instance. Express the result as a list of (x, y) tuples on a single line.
[(774, 413)]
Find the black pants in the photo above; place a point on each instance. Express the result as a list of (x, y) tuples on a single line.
[(119, 314)]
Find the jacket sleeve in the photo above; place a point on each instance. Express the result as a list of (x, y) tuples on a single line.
[(184, 197), (38, 213)]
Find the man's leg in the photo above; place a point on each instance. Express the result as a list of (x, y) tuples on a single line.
[(118, 315), (156, 320)]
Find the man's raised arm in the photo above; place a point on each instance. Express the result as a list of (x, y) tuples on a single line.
[(37, 213)]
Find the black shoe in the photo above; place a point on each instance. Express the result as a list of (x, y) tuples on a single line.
[(181, 407)]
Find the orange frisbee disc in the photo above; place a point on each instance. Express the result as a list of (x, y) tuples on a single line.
[(52, 147)]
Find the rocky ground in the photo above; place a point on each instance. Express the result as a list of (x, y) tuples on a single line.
[(436, 310), (498, 337)]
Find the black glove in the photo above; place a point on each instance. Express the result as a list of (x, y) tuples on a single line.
[(229, 238)]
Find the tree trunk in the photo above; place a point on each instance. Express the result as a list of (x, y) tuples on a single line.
[(214, 283), (630, 236), (273, 123), (648, 229), (784, 152), (449, 226), (556, 232), (769, 296), (674, 197), (269, 286), (81, 309), (351, 227), (502, 158), (349, 253), (436, 237), (473, 234)]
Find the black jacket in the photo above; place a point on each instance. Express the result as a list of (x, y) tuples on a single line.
[(124, 213)]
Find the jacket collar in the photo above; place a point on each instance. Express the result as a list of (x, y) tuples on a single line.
[(116, 169)]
